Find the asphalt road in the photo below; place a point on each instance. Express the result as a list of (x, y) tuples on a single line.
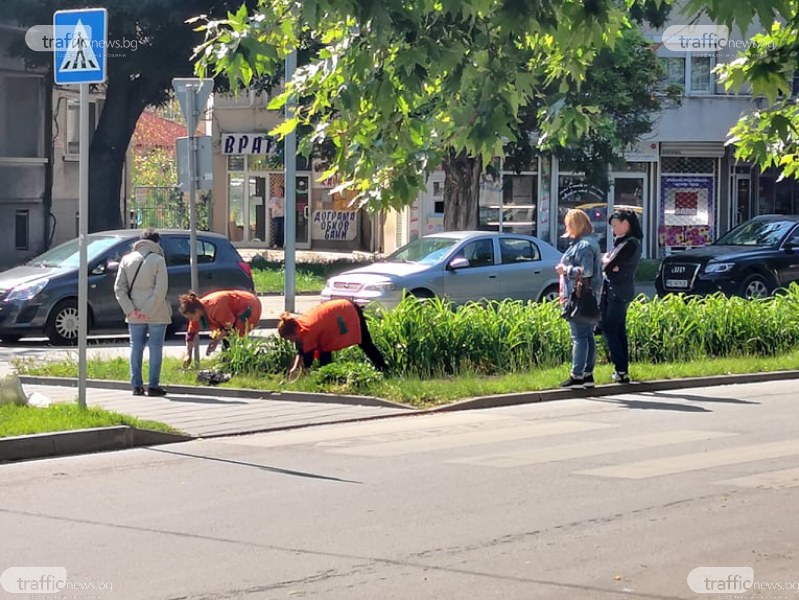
[(618, 497)]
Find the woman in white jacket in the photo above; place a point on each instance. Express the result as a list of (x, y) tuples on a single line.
[(140, 288)]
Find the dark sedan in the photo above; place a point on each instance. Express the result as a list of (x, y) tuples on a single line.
[(41, 296), (752, 260)]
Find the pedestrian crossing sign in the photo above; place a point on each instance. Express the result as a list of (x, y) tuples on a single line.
[(80, 39)]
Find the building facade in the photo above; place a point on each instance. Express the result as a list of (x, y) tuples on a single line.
[(682, 179), (248, 175)]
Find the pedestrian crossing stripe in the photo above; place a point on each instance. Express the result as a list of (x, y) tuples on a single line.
[(696, 461), (591, 448), (773, 480), (80, 55), (472, 438)]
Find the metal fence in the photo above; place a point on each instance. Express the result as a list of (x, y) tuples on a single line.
[(167, 208)]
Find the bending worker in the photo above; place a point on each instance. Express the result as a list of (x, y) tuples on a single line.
[(331, 326), (220, 312)]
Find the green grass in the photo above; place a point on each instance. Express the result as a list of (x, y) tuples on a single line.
[(25, 420), (434, 391), (647, 269), (269, 276)]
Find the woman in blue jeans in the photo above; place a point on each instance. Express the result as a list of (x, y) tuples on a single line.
[(582, 260), (619, 266), (140, 288)]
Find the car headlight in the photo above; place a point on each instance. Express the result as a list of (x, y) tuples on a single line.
[(388, 286), (719, 267), (27, 291)]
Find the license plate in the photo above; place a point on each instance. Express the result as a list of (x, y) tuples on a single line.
[(677, 283)]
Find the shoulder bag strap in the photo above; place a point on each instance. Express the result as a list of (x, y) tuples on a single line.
[(136, 274)]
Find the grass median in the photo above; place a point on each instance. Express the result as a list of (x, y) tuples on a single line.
[(26, 420), (423, 393)]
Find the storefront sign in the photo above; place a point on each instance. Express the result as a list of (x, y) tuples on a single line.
[(643, 151), (687, 209), (335, 225), (248, 143)]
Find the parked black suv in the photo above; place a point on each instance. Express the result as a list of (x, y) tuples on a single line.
[(41, 296), (752, 260)]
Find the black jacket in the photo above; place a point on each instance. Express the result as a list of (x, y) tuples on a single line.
[(625, 255)]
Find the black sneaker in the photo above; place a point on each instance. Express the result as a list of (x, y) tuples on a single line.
[(620, 378), (588, 381), (572, 382), (156, 391), (138, 391)]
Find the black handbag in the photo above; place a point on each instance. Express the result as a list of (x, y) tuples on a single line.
[(582, 306)]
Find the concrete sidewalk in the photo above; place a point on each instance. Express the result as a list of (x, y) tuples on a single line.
[(209, 413)]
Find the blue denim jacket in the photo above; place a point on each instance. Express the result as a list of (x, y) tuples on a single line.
[(582, 257)]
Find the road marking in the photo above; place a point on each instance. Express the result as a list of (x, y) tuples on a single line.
[(371, 431), (591, 448), (696, 461), (445, 440), (774, 480)]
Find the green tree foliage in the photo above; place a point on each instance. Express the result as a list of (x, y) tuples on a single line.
[(399, 88), (155, 168)]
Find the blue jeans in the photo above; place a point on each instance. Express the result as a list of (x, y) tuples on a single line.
[(152, 336), (583, 349), (614, 328)]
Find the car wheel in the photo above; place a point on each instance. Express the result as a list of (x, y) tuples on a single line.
[(755, 287), (550, 294), (11, 338), (423, 293), (62, 325)]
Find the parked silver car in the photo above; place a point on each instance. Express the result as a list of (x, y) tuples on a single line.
[(41, 296), (461, 266)]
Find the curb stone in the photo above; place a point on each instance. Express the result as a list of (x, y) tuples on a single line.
[(223, 392), (613, 389), (82, 441)]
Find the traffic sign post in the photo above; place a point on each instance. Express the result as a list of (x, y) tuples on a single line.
[(192, 93), (80, 39)]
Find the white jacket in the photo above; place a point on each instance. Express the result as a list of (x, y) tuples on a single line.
[(148, 293)]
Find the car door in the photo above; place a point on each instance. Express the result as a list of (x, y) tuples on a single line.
[(520, 273), (477, 280), (787, 263), (106, 311)]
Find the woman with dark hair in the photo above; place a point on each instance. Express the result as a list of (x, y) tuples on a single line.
[(620, 265), (324, 329), (220, 312), (140, 288)]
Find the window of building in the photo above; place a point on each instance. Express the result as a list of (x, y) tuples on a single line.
[(693, 73), (22, 230), (73, 125), (21, 109), (509, 202)]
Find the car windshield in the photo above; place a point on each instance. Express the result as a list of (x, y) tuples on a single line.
[(426, 251), (68, 254), (756, 233)]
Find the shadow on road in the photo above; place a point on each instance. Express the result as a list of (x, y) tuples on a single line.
[(255, 466)]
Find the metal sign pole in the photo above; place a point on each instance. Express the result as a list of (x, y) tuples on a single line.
[(83, 227), (191, 124), (290, 198)]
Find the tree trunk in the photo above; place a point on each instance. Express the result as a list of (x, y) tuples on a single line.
[(124, 103), (461, 191)]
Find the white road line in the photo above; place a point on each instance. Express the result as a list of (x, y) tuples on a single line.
[(444, 440), (773, 480), (591, 448), (696, 461)]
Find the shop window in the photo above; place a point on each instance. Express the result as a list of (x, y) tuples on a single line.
[(22, 229), (687, 164)]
